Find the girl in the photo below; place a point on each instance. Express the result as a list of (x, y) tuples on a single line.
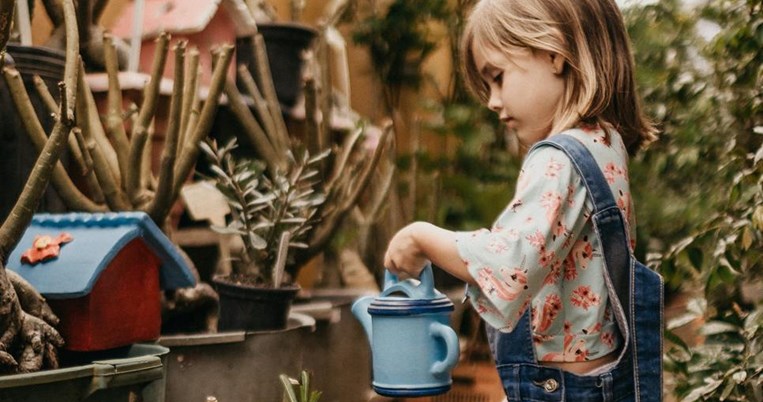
[(571, 315)]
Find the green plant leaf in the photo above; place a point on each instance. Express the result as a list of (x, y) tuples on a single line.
[(718, 327), (305, 387), (747, 238), (727, 390), (288, 388), (681, 320), (739, 376), (672, 337)]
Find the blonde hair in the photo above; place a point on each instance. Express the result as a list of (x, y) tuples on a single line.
[(590, 35)]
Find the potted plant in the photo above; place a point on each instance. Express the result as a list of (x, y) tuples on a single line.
[(273, 211)]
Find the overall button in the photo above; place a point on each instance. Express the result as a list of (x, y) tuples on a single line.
[(550, 385)]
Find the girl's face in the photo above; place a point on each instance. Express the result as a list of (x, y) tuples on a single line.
[(525, 88)]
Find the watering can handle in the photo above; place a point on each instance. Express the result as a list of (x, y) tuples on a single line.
[(447, 335), (393, 284)]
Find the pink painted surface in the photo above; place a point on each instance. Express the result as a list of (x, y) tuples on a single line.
[(203, 23), (174, 16)]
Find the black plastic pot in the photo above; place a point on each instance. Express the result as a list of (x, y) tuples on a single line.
[(285, 43), (251, 308), (17, 153)]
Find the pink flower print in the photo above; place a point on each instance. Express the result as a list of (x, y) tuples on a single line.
[(581, 253), (624, 202), (584, 297), (602, 137), (570, 195), (508, 287), (537, 240), (552, 168), (525, 305), (540, 338), (574, 350), (552, 202), (570, 270), (515, 204), (611, 171), (559, 228), (496, 246), (608, 338), (552, 305), (554, 273), (593, 329), (511, 234)]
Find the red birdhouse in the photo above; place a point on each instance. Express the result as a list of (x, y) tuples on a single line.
[(105, 284)]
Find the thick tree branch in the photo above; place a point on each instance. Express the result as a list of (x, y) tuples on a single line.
[(160, 205), (114, 123), (191, 149), (139, 135)]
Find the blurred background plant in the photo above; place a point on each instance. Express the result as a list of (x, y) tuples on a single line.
[(721, 247), (298, 390)]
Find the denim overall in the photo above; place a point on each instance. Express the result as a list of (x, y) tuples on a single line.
[(636, 295)]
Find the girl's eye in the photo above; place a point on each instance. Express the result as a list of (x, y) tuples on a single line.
[(498, 78)]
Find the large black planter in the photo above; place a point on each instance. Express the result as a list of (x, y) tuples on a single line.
[(17, 153), (250, 308), (285, 43)]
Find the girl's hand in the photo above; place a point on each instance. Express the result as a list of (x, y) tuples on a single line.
[(405, 257)]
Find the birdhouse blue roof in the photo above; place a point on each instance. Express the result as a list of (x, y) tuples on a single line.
[(97, 239)]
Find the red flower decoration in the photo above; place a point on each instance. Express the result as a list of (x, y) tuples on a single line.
[(45, 247)]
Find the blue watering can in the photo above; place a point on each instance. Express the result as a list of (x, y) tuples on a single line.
[(413, 347)]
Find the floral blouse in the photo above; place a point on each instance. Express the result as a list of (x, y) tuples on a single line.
[(543, 252)]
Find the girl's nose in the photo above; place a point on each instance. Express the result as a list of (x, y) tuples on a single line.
[(494, 101)]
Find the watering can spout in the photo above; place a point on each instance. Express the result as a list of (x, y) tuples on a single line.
[(360, 310)]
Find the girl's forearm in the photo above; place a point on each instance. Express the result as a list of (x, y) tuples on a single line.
[(439, 246)]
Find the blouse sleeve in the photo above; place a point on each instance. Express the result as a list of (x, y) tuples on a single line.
[(527, 245)]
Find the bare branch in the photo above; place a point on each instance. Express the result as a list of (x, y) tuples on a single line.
[(89, 121), (71, 65), (139, 135), (160, 205), (252, 129), (115, 127), (190, 91), (103, 166), (190, 149), (260, 106), (52, 107), (268, 89)]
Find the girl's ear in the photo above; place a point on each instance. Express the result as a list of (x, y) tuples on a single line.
[(557, 62)]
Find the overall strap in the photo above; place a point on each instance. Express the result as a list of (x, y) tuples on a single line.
[(607, 218)]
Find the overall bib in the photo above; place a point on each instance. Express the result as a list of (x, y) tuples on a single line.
[(636, 295)]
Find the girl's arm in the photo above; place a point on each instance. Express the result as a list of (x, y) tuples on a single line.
[(412, 246)]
